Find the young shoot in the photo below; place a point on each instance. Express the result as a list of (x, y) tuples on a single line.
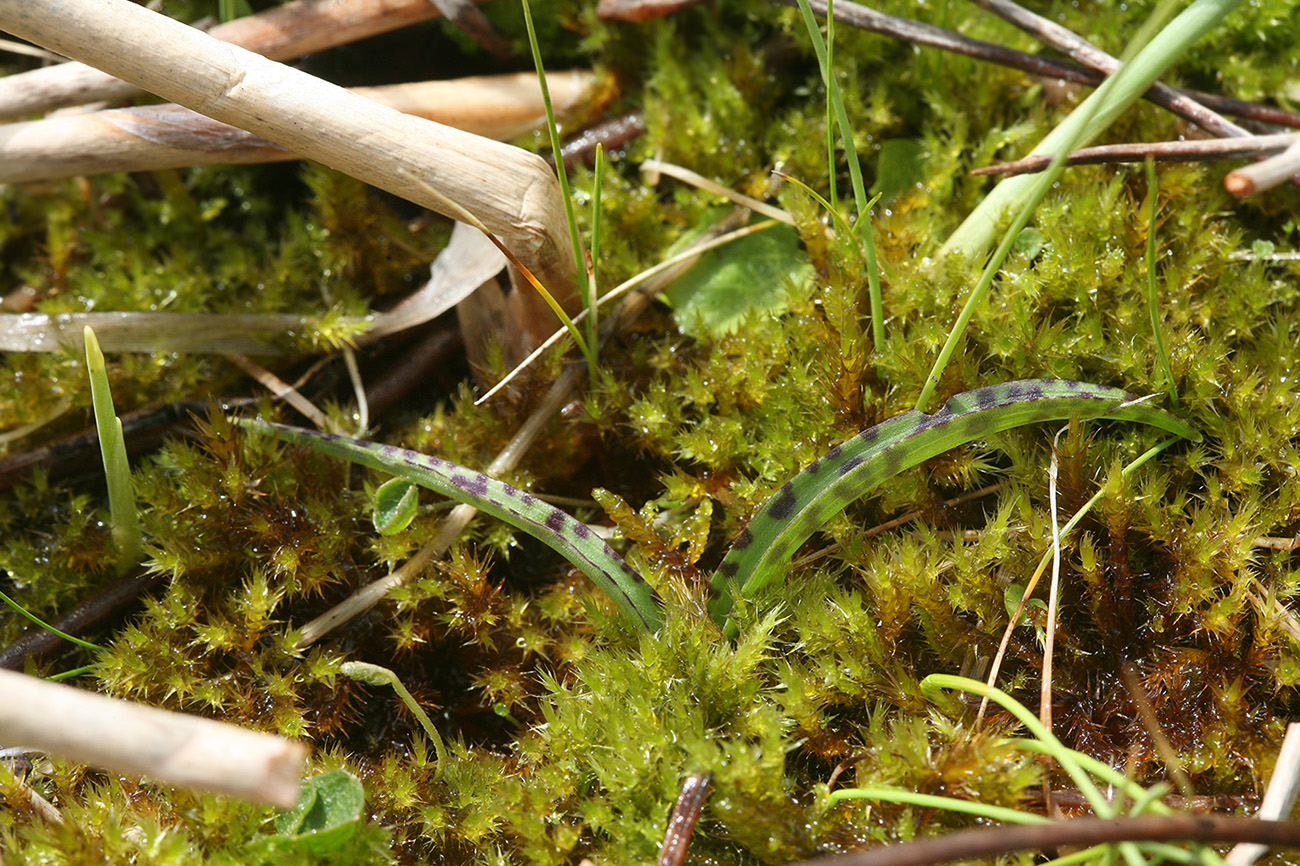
[(112, 447), (374, 675)]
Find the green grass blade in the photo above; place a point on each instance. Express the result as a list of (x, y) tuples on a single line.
[(112, 447), (1096, 113), (585, 287), (570, 538), (1153, 285), (835, 104), (40, 623), (593, 277), (827, 485), (932, 801)]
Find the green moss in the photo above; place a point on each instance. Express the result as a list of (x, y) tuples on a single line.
[(570, 737)]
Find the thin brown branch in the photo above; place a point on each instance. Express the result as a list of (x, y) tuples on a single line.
[(969, 845), (1083, 51), (1161, 151), (681, 823), (864, 18)]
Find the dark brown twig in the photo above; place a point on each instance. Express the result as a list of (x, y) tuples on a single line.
[(1161, 151), (1083, 51), (681, 823), (610, 134), (864, 18), (969, 845)]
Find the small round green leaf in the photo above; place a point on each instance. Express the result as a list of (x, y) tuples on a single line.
[(396, 504), (326, 815)]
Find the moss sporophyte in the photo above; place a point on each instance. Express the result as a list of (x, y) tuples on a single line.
[(804, 504)]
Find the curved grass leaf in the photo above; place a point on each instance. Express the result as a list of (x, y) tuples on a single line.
[(827, 485), (567, 536)]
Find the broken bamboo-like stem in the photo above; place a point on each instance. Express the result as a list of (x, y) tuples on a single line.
[(182, 750), (282, 33), (170, 136), (511, 192)]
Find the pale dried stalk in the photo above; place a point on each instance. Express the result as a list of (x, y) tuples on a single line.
[(512, 192), (1243, 182), (181, 750), (169, 136), (282, 33)]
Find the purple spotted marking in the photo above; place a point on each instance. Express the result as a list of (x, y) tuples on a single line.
[(784, 503), (476, 484), (580, 529), (528, 499), (745, 539), (849, 465), (985, 397), (555, 521)]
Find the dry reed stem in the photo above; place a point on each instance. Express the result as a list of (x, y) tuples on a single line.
[(133, 739), (170, 136), (1265, 175), (283, 33), (510, 191)]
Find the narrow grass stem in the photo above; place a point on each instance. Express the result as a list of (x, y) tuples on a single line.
[(863, 227), (24, 612), (931, 801), (1044, 739), (1047, 559), (375, 675), (585, 287), (1096, 113), (593, 270), (1074, 129), (1153, 287)]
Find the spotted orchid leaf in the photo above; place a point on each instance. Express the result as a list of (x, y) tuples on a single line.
[(570, 538), (804, 504), (848, 471)]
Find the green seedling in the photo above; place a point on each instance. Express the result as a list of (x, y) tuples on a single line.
[(374, 675), (112, 446), (328, 812), (396, 504), (1087, 773), (822, 490)]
